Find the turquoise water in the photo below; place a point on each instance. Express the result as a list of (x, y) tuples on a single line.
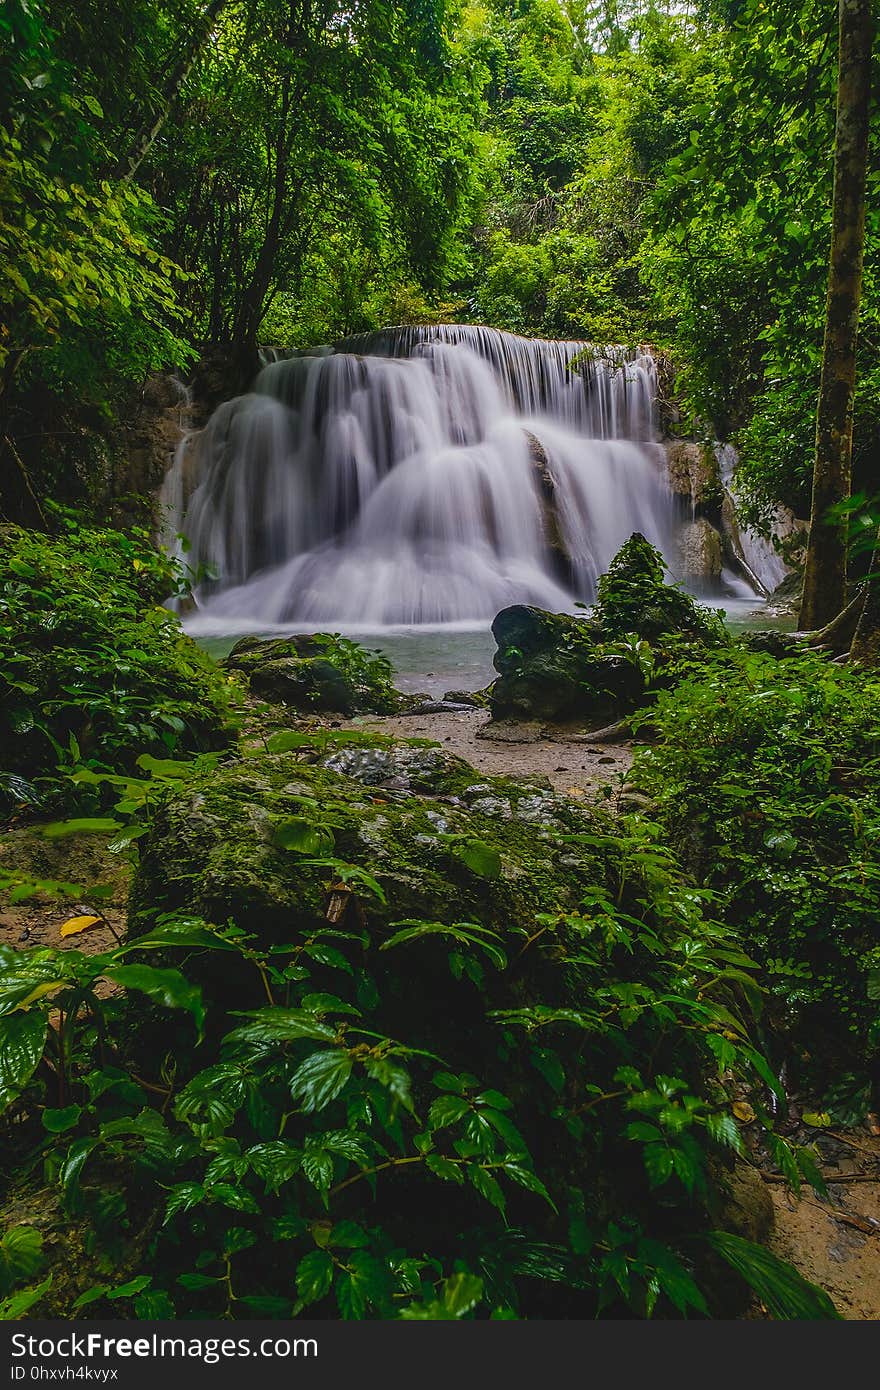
[(455, 656)]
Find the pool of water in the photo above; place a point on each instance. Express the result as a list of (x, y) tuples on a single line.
[(453, 656)]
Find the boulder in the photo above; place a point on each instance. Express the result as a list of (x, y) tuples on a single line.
[(218, 848), (318, 672), (550, 669), (701, 555)]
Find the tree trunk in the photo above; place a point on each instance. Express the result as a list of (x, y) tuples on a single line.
[(825, 575), (865, 647), (149, 132)]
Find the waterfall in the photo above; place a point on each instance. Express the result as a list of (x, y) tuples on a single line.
[(758, 556), (421, 475)]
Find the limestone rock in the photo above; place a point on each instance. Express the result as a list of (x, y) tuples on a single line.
[(700, 551), (694, 476)]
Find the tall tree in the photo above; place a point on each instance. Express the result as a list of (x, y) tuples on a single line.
[(826, 570)]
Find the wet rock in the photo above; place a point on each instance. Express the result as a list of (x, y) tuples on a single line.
[(694, 477), (317, 671), (407, 769), (549, 669), (477, 699), (700, 553), (306, 685)]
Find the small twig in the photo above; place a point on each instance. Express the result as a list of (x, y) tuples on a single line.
[(828, 1178)]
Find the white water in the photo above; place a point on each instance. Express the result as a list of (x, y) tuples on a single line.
[(759, 555), (395, 483)]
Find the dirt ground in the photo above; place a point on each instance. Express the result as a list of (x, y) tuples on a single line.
[(835, 1242), (524, 750)]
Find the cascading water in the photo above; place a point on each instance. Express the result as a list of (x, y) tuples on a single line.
[(421, 475), (758, 556)]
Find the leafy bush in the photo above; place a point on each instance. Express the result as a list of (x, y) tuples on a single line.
[(767, 775), (634, 598), (93, 671), (422, 1120)]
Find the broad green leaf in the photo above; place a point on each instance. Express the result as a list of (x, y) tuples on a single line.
[(166, 985), (480, 858), (22, 1042), (57, 1121), (319, 1079), (302, 836), (88, 825), (783, 1291)]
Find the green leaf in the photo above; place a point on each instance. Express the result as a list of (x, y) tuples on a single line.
[(444, 1168), (275, 1162), (132, 1287), (19, 1304), (57, 1121), (166, 985), (22, 1042), (317, 1166), (486, 1185), (21, 1255), (658, 1163), (302, 837), (154, 1305), (393, 1077), (783, 1291), (278, 1025), (461, 1293), (314, 1276), (319, 1079), (89, 825), (480, 858), (447, 1110)]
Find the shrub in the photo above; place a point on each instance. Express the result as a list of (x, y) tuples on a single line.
[(767, 775), (93, 670), (634, 598)]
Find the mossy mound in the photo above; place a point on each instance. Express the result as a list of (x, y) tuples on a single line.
[(634, 598), (319, 672), (408, 813), (556, 667)]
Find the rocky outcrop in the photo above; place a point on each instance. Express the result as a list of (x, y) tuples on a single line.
[(316, 672), (700, 556), (694, 477), (549, 668), (219, 848), (550, 526)]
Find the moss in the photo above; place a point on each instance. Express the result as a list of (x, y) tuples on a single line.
[(633, 598), (212, 848), (319, 671)]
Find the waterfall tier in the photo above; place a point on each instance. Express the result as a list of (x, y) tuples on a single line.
[(421, 475)]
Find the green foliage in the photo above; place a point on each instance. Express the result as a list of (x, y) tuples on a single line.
[(93, 671), (82, 281), (633, 598), (502, 1150), (776, 807), (370, 672)]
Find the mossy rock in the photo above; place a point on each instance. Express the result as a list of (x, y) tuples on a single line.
[(317, 671), (550, 668), (408, 816), (559, 668)]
